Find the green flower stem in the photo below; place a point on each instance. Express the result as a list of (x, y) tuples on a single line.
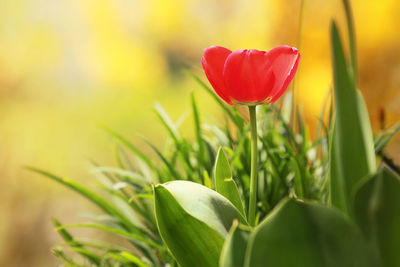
[(254, 164)]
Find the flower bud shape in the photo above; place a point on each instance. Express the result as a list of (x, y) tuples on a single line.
[(250, 76)]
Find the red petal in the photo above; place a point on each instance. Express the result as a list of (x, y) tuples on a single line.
[(253, 76), (284, 60), (246, 75), (213, 61)]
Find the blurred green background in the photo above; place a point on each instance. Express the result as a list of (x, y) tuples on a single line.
[(67, 66)]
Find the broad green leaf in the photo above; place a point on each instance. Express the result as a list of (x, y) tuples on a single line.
[(352, 154), (377, 211), (193, 221), (224, 184), (307, 235), (234, 249)]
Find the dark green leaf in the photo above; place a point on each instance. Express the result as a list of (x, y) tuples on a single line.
[(377, 211), (307, 235), (352, 149), (234, 249)]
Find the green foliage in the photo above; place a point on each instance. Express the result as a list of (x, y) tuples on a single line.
[(139, 230), (224, 184), (193, 221), (306, 235), (316, 201), (352, 156), (383, 139), (377, 211), (125, 192), (234, 251)]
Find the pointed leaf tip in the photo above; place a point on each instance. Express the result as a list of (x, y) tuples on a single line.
[(224, 183)]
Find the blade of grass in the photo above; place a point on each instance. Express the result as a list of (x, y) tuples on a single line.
[(122, 158), (127, 175), (174, 173), (383, 140), (352, 39), (173, 132), (130, 146), (197, 126), (60, 254), (100, 202), (126, 234), (133, 259), (91, 256), (214, 96)]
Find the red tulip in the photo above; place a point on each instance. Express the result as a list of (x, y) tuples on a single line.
[(249, 76)]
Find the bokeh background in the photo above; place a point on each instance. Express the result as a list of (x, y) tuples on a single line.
[(68, 66)]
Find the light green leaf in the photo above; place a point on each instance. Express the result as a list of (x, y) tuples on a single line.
[(352, 155), (206, 180), (224, 184), (234, 249), (377, 211), (193, 221), (307, 235)]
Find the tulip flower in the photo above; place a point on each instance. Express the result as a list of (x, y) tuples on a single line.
[(250, 77)]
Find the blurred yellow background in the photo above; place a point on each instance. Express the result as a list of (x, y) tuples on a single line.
[(67, 66)]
